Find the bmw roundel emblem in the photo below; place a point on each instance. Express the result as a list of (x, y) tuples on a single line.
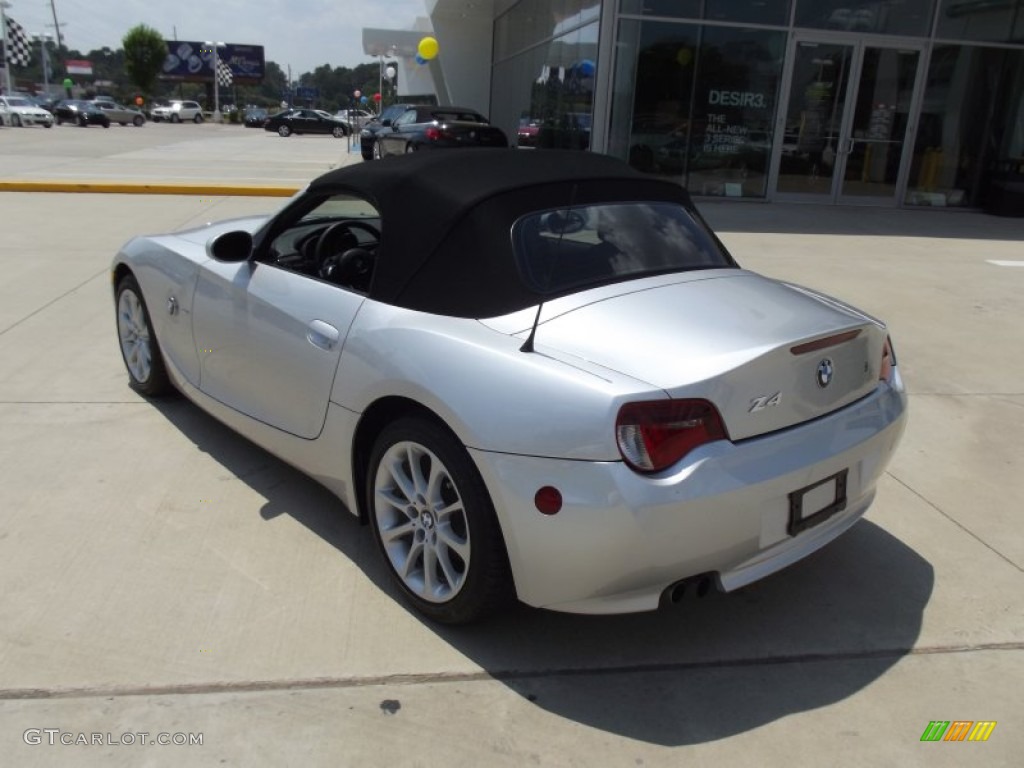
[(825, 373)]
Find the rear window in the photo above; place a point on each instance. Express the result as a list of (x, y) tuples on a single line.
[(569, 248)]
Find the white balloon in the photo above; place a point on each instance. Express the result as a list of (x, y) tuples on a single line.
[(390, 72)]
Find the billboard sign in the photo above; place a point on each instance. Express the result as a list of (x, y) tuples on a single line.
[(192, 62)]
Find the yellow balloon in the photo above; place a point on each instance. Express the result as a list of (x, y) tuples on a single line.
[(427, 48)]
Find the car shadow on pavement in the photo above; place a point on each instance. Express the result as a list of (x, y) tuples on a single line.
[(812, 635), (811, 219)]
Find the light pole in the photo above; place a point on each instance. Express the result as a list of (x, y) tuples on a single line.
[(216, 77), (43, 40)]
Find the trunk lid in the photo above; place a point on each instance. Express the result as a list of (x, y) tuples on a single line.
[(767, 354), (475, 134)]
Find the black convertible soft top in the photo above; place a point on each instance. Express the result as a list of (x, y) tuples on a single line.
[(447, 215)]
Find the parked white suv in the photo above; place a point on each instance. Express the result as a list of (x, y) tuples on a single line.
[(178, 111)]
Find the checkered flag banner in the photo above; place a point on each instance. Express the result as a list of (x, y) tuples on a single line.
[(19, 51), (224, 76)]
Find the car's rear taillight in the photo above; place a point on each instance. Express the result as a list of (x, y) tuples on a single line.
[(653, 435), (888, 361), (433, 133)]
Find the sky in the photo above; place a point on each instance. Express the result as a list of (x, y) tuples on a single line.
[(304, 34)]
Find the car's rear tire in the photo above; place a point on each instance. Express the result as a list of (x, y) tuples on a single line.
[(48, 124), (434, 523), (367, 154), (410, 148), (338, 132), (197, 119), (139, 348), (377, 154), (15, 121), (284, 131), (138, 120)]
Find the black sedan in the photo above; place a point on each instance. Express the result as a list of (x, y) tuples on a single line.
[(255, 117), (301, 121), (368, 133), (435, 128), (82, 113)]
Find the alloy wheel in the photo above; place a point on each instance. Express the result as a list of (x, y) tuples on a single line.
[(422, 522), (133, 332)]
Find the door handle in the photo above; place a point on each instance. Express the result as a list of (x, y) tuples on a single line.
[(322, 335)]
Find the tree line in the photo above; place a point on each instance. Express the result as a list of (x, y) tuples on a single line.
[(133, 70)]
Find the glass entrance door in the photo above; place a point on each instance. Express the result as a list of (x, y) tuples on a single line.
[(846, 122)]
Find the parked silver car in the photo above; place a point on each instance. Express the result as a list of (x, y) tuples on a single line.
[(120, 114), (177, 111), (531, 373), (18, 110)]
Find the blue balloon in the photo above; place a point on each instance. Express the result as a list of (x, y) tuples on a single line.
[(420, 60), (363, 99), (586, 68)]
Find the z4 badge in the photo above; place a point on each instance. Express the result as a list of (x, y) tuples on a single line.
[(766, 401)]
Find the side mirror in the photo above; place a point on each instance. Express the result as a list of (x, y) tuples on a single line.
[(386, 123), (231, 247)]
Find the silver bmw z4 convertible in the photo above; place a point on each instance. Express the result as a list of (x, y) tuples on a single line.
[(535, 375)]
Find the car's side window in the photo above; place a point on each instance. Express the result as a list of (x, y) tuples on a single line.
[(406, 118), (335, 241)]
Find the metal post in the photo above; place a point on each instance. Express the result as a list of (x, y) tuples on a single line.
[(46, 65), (6, 63), (216, 45)]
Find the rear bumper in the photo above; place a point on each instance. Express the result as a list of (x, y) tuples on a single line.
[(621, 538)]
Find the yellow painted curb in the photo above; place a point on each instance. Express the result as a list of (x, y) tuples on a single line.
[(142, 188)]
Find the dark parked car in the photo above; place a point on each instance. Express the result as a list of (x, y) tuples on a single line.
[(437, 128), (255, 117), (301, 121), (82, 113), (368, 134), (527, 132)]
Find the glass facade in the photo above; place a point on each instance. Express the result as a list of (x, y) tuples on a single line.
[(542, 85), (884, 17), (970, 136), (995, 21), (703, 104), (887, 102)]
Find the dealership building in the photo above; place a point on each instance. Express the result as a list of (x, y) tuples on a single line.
[(851, 102)]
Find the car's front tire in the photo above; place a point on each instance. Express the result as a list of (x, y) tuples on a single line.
[(138, 121), (15, 121), (434, 523), (377, 153), (284, 131), (338, 132), (139, 348), (175, 119)]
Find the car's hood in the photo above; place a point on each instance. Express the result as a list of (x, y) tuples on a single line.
[(724, 335), (202, 235)]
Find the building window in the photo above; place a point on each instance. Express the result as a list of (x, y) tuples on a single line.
[(988, 20), (761, 12), (703, 105), (970, 139), (891, 17), (544, 96)]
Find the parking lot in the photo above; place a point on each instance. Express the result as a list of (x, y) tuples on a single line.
[(163, 576)]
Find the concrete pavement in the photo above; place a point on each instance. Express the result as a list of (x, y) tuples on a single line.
[(162, 575)]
